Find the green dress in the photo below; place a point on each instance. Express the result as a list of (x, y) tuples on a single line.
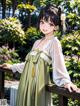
[(31, 90)]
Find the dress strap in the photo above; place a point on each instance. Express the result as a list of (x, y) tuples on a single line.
[(46, 57), (42, 54)]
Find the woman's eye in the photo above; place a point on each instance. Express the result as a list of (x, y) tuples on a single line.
[(51, 24), (41, 22)]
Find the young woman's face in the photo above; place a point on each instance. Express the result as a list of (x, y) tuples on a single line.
[(46, 28)]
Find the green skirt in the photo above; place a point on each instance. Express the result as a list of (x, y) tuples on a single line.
[(31, 90)]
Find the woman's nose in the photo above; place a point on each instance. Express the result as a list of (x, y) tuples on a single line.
[(44, 26)]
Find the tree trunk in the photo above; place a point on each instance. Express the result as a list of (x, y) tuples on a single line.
[(3, 2), (29, 18), (14, 4)]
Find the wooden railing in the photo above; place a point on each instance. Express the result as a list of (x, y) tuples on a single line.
[(63, 93)]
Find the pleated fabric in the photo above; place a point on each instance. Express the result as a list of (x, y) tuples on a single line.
[(31, 90)]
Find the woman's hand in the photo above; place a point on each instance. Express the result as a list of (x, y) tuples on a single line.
[(6, 66), (71, 87)]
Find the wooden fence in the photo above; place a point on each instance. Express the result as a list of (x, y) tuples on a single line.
[(63, 93)]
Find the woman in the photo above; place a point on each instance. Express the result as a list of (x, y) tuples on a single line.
[(35, 69)]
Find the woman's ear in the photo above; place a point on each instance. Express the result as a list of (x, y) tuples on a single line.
[(56, 28)]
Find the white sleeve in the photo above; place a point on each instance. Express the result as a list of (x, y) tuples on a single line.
[(18, 67), (60, 73)]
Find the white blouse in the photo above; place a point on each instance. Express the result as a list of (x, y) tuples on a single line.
[(53, 48)]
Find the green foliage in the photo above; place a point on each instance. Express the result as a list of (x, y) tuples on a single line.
[(58, 34), (73, 102), (39, 3), (31, 35), (8, 55), (55, 100), (25, 14), (8, 3), (72, 9), (71, 43), (27, 8), (73, 65), (57, 2), (11, 30)]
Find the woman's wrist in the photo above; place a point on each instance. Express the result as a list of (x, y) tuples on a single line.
[(67, 84)]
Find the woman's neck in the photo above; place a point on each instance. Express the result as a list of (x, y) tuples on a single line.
[(49, 35)]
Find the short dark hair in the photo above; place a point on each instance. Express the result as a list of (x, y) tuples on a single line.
[(50, 11)]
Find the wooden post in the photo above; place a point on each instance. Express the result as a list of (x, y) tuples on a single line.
[(2, 78), (63, 101), (1, 84)]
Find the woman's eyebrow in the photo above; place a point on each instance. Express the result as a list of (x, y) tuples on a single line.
[(41, 20), (51, 23)]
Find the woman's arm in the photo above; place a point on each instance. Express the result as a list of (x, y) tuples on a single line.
[(18, 67), (15, 67), (60, 73)]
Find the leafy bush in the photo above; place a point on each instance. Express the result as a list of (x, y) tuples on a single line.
[(57, 2), (8, 3), (72, 10), (25, 14), (26, 8), (31, 35), (71, 44), (11, 31), (8, 55)]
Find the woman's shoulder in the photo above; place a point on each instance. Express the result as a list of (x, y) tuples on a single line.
[(38, 40), (55, 40)]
